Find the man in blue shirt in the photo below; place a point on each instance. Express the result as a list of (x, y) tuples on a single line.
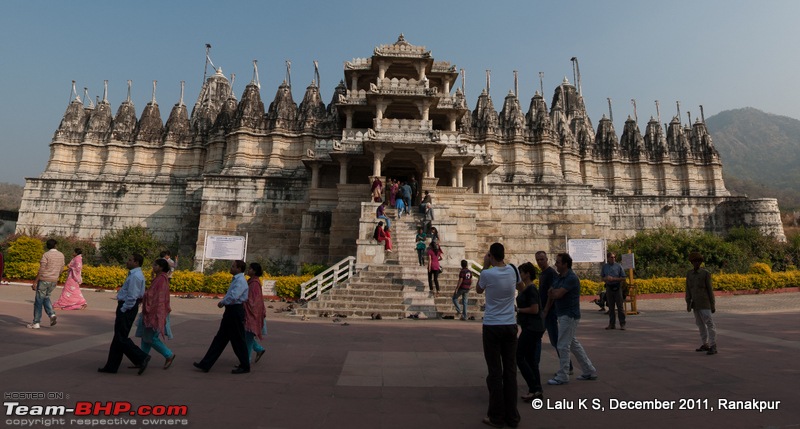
[(613, 275), (231, 328), (128, 299), (565, 293)]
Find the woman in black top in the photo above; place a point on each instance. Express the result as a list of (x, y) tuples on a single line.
[(529, 347)]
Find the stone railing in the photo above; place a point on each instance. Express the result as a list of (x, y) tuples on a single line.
[(358, 64), (397, 50), (337, 146), (458, 148), (394, 86), (355, 135), (451, 103), (442, 67), (387, 124), (354, 97)]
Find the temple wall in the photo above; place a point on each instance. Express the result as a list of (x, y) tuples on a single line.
[(92, 208)]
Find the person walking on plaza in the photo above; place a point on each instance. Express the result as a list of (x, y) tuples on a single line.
[(700, 299), (462, 289), (613, 275), (71, 297), (255, 324), (154, 321), (566, 292), (547, 276), (500, 336), (128, 299), (231, 328), (529, 346), (50, 267)]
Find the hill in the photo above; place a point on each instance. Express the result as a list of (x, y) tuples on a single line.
[(760, 154), (10, 196)]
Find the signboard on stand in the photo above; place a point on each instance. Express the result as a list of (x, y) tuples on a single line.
[(586, 250)]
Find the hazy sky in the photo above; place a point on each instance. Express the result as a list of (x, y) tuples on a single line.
[(721, 54)]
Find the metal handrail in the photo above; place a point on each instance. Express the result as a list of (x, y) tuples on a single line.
[(328, 279)]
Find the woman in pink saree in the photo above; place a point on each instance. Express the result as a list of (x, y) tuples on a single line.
[(71, 297), (154, 320)]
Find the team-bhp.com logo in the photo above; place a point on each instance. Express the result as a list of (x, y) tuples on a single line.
[(86, 408)]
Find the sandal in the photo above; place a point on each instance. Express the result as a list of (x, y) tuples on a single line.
[(529, 397)]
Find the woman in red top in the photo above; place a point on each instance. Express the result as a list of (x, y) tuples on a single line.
[(434, 256), (255, 323), (383, 236), (154, 321)]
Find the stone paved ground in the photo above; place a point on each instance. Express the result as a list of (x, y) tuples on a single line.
[(411, 374)]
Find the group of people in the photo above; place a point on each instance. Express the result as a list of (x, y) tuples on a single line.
[(397, 193), (243, 322), (555, 308)]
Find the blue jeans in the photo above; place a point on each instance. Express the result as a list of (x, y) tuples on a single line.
[(150, 338), (567, 327), (43, 291), (252, 343), (463, 293), (386, 219)]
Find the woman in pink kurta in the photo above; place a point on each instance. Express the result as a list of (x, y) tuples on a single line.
[(255, 311), (71, 297), (155, 313)]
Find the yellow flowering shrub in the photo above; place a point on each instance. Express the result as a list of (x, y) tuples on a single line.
[(21, 270), (25, 249), (217, 283), (760, 268), (103, 277), (288, 286), (186, 281)]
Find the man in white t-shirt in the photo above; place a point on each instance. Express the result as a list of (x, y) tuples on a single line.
[(500, 336)]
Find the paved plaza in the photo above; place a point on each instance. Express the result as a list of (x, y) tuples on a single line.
[(408, 373)]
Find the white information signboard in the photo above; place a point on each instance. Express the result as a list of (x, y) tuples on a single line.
[(628, 262), (586, 250), (230, 247)]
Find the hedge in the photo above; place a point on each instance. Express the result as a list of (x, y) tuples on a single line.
[(289, 286)]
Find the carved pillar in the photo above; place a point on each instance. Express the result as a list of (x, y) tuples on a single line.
[(314, 176), (380, 108), (420, 71), (354, 81), (452, 118), (378, 155), (458, 172), (424, 111), (429, 156), (447, 87), (349, 118), (382, 66), (343, 170)]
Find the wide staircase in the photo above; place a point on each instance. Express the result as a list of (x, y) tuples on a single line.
[(396, 289)]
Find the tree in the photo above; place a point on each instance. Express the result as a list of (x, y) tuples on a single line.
[(117, 246)]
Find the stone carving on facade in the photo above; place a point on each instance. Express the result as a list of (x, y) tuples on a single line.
[(250, 113), (631, 142)]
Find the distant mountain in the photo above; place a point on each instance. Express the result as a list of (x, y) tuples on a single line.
[(760, 154), (10, 196)]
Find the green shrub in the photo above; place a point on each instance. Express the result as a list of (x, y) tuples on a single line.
[(280, 266), (760, 268), (312, 269), (117, 246), (67, 246)]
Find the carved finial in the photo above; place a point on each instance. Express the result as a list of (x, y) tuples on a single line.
[(541, 82), (401, 39), (316, 74), (255, 80), (516, 84), (565, 81), (702, 114), (678, 103), (488, 81), (635, 115), (128, 100), (74, 95), (689, 114), (87, 98), (105, 91), (153, 101), (180, 102), (576, 71), (658, 111), (610, 113), (289, 73)]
